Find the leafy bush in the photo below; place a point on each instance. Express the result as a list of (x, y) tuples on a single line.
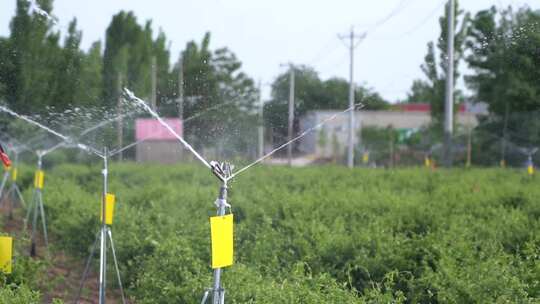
[(312, 235)]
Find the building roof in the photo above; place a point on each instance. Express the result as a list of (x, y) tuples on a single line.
[(422, 107)]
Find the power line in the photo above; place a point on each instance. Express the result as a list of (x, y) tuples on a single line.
[(403, 4), (417, 26), (325, 51)]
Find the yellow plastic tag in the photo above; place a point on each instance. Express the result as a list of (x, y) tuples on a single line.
[(427, 162), (39, 178), (365, 158), (221, 229), (14, 174), (6, 253), (530, 170), (110, 200)]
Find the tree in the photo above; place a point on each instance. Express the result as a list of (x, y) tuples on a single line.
[(216, 89), (32, 55), (312, 93), (129, 49), (504, 56), (505, 60), (421, 92), (68, 71), (90, 85), (432, 89)]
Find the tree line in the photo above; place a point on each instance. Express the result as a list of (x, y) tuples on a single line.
[(40, 66)]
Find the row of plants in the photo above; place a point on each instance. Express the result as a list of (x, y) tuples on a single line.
[(311, 235)]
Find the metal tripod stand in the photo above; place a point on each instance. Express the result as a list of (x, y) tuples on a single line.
[(4, 182), (222, 171), (36, 210), (101, 238), (14, 193)]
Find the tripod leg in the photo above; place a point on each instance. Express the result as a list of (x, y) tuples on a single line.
[(87, 268), (30, 207), (116, 266), (205, 297), (34, 224), (10, 202), (21, 198), (42, 211), (3, 185)]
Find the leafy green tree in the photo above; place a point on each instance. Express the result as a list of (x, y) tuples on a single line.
[(503, 47), (421, 92), (432, 90), (504, 56), (90, 84), (128, 55), (312, 93), (67, 73), (31, 56), (216, 89)]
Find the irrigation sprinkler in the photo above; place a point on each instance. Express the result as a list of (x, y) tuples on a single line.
[(222, 249), (222, 254), (105, 232), (529, 152), (14, 193), (106, 211), (36, 208), (39, 177)]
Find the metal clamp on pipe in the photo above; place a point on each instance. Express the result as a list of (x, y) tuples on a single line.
[(221, 170)]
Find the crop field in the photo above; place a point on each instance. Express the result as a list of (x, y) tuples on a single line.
[(312, 235)]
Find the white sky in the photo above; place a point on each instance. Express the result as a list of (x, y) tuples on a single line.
[(265, 34)]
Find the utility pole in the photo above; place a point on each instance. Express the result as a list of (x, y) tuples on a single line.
[(291, 114), (351, 44), (449, 102), (119, 126), (469, 143), (181, 88), (154, 84), (503, 148), (261, 123)]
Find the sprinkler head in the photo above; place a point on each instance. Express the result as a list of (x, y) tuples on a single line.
[(4, 157), (221, 170)]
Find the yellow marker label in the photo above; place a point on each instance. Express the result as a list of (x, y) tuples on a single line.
[(530, 169), (427, 162), (221, 229), (39, 179), (14, 174), (365, 158), (110, 200), (6, 253)]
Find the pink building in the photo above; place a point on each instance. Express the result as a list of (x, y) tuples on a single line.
[(158, 144)]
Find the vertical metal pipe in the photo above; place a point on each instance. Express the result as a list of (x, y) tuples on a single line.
[(181, 88), (37, 208), (449, 102), (43, 222), (218, 292), (290, 130), (350, 141), (103, 248), (119, 123), (261, 123)]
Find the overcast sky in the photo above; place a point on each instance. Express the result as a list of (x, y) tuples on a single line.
[(265, 34)]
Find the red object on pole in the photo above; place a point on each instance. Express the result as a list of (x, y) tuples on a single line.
[(4, 157)]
